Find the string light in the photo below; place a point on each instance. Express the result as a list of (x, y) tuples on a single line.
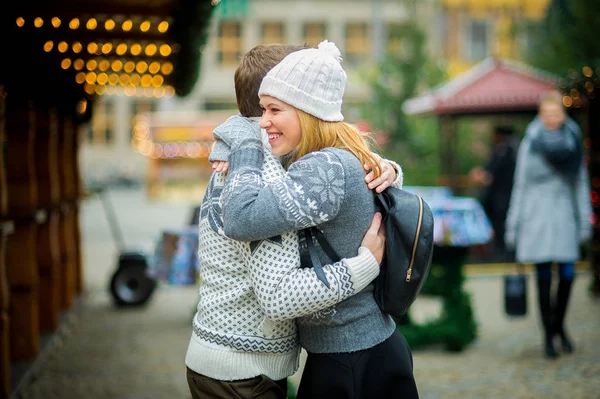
[(91, 24), (78, 64), (163, 26), (106, 48), (150, 49), (116, 65)]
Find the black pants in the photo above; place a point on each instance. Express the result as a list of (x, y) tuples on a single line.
[(384, 371)]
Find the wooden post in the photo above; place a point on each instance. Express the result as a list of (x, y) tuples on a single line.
[(6, 227), (78, 192), (22, 208), (66, 234), (3, 187), (447, 152), (48, 256)]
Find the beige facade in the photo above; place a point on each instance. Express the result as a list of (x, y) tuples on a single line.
[(358, 27)]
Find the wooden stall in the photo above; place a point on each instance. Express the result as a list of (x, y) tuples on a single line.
[(178, 145), (492, 87), (57, 57)]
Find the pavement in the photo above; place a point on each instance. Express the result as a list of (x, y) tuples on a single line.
[(104, 352)]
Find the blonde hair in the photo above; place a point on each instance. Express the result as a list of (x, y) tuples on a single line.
[(551, 97), (318, 134)]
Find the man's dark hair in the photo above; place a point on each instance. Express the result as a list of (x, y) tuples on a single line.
[(253, 67)]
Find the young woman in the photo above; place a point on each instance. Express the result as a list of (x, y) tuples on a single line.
[(235, 350), (549, 212), (354, 349)]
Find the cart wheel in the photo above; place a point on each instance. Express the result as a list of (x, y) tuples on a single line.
[(131, 286)]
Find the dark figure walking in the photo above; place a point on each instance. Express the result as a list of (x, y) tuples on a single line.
[(497, 180)]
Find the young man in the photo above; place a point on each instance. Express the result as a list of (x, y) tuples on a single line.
[(235, 349)]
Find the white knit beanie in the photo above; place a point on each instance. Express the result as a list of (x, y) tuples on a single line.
[(311, 80)]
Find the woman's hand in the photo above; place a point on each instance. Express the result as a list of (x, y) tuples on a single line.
[(220, 166), (387, 177), (374, 239)]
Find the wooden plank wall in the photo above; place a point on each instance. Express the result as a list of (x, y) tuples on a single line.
[(40, 249)]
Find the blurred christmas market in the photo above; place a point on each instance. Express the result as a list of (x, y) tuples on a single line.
[(127, 93)]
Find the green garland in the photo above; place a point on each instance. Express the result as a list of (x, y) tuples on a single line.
[(456, 327), (191, 20), (581, 94)]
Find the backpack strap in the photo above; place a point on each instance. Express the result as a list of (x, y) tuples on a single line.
[(312, 251), (326, 245), (383, 205)]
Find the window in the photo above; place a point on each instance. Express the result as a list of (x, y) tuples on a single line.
[(398, 42), (478, 40), (230, 42), (273, 32), (529, 33), (357, 43), (314, 33), (101, 131)]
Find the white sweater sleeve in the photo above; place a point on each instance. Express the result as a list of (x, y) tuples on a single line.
[(286, 291)]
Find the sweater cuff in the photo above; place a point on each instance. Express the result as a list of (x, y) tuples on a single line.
[(363, 267), (220, 152), (250, 154), (399, 174)]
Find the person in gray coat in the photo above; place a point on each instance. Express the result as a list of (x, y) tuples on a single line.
[(549, 212)]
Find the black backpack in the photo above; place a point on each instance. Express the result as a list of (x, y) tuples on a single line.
[(408, 222)]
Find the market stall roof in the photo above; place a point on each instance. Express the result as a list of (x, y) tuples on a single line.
[(66, 48), (494, 85)]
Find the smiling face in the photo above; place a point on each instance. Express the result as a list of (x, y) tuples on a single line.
[(282, 124)]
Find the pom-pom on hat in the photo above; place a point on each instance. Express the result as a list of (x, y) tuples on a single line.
[(312, 80)]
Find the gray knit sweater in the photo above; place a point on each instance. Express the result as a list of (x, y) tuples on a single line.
[(325, 189)]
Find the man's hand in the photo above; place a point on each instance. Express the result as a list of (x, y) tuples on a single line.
[(374, 239), (387, 177)]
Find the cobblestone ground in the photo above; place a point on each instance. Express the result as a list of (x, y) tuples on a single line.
[(107, 353), (102, 352), (506, 361)]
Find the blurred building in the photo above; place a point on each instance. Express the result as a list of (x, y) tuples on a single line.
[(472, 30), (363, 30)]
